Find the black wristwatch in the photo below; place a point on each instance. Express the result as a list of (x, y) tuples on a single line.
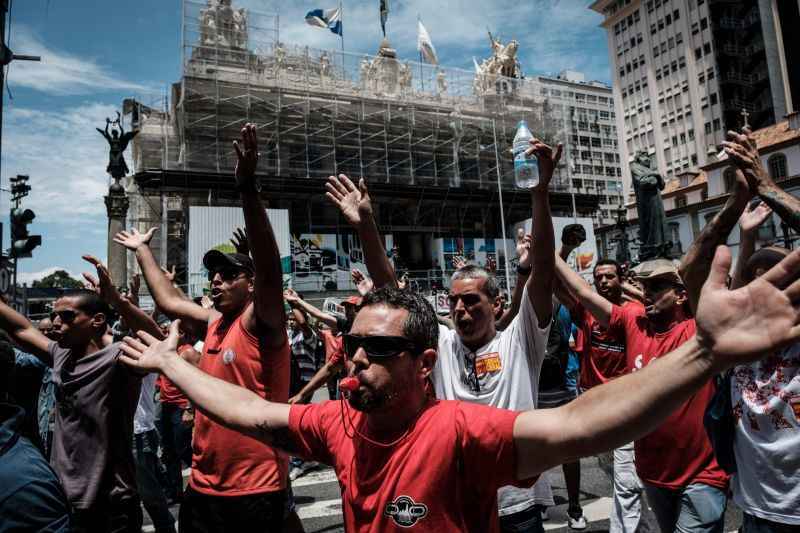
[(524, 271)]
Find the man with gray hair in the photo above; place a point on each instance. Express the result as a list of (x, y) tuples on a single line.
[(476, 363)]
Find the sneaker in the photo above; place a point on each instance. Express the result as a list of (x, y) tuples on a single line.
[(542, 512), (575, 518), (302, 469)]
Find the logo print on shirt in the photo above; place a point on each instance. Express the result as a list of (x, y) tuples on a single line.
[(405, 512), (228, 356)]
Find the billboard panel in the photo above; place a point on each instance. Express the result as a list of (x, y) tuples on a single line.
[(212, 228)]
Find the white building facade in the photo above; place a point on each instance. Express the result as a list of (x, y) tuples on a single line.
[(591, 142)]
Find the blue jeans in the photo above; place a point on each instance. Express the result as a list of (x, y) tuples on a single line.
[(150, 491), (527, 521), (176, 447), (697, 508), (754, 524)]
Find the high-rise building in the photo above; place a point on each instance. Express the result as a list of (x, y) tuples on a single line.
[(685, 71), (591, 147)]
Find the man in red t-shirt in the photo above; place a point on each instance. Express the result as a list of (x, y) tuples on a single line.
[(405, 459), (235, 482), (676, 461), (602, 357)]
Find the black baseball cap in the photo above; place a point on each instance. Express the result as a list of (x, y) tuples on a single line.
[(215, 260)]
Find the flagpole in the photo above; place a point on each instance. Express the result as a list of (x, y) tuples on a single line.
[(341, 21), (421, 75)]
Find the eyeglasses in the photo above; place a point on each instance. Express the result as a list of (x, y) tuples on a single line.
[(66, 316), (227, 274), (378, 345)]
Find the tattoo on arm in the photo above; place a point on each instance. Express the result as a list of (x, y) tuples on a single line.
[(783, 203)]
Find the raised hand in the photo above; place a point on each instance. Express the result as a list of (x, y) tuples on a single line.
[(291, 297), (742, 150), (133, 289), (239, 241), (148, 353), (169, 274), (352, 201), (363, 284), (524, 248), (102, 284), (459, 262), (547, 159), (247, 158), (753, 217), (742, 325), (133, 240)]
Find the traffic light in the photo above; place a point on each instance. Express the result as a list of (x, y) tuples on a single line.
[(22, 244)]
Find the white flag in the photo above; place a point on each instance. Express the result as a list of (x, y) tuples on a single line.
[(425, 46)]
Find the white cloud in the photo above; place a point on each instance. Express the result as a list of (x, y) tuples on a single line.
[(553, 35), (30, 277), (61, 73), (65, 158)]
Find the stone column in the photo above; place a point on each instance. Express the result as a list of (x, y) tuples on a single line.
[(117, 209)]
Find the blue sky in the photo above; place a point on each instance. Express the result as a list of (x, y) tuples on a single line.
[(95, 53)]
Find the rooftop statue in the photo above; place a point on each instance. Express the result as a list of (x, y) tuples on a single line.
[(118, 141)]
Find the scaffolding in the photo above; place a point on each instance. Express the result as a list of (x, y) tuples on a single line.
[(320, 112)]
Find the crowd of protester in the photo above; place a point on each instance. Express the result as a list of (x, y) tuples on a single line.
[(683, 379)]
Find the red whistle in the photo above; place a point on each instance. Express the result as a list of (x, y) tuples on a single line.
[(348, 384)]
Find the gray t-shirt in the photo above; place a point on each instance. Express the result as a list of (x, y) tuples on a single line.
[(96, 399)]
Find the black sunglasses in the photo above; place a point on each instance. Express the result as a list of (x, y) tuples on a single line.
[(66, 316), (227, 274), (378, 345)]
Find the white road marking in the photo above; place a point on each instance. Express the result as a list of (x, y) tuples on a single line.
[(315, 477), (320, 509)]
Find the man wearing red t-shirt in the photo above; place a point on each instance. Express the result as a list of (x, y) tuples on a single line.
[(236, 482), (602, 352), (405, 459), (685, 486)]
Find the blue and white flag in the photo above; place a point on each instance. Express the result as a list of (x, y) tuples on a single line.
[(326, 18)]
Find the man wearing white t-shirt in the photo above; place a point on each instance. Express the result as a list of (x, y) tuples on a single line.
[(477, 363)]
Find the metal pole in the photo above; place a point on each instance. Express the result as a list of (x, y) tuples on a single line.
[(502, 212)]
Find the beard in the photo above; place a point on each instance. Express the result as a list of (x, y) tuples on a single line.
[(368, 400)]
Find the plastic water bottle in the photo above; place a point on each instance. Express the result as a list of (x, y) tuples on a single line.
[(526, 168)]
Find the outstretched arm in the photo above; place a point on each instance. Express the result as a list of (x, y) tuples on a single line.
[(23, 333), (697, 261), (574, 285), (749, 222), (744, 153), (234, 407), (267, 309), (134, 317), (356, 206), (733, 327), (320, 378), (166, 297), (524, 257), (296, 302), (540, 282)]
